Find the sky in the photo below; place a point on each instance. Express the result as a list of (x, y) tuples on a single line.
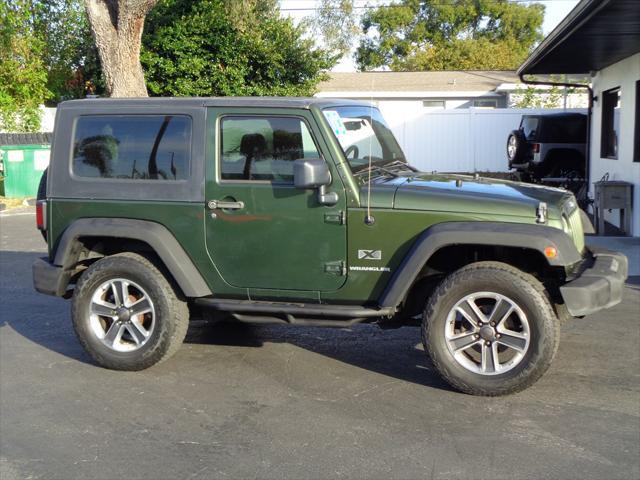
[(555, 11)]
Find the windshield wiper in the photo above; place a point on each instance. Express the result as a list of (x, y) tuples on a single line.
[(376, 167), (400, 164)]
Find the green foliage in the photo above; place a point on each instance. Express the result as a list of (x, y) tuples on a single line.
[(452, 35), (70, 53), (532, 97), (336, 23), (203, 47), (23, 73), (242, 47), (46, 55)]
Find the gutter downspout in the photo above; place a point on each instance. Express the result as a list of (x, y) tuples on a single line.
[(589, 111)]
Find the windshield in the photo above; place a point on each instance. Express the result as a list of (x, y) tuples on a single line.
[(364, 136)]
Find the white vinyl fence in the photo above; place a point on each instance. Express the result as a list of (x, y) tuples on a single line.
[(463, 140)]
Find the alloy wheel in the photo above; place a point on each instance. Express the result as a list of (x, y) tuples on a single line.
[(512, 147), (122, 315), (487, 333)]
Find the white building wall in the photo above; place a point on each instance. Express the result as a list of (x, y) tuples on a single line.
[(47, 119), (623, 74)]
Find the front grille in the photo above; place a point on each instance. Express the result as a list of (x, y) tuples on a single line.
[(577, 232)]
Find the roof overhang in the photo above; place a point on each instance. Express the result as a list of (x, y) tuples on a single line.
[(594, 35), (408, 95)]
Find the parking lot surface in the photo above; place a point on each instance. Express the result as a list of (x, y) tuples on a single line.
[(241, 401)]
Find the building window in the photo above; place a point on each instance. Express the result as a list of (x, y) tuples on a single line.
[(433, 103), (636, 149), (609, 143), (485, 103)]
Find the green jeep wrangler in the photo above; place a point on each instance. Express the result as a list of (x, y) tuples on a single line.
[(304, 212)]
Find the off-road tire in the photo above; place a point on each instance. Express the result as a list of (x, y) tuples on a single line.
[(518, 155), (529, 295), (171, 312)]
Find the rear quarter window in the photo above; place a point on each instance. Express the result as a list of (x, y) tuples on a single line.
[(135, 147), (529, 127), (564, 130)]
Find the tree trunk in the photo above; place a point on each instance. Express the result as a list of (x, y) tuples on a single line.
[(117, 29)]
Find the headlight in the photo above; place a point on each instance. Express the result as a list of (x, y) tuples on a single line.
[(569, 207)]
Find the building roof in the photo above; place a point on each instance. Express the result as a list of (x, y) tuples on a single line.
[(594, 35), (432, 81)]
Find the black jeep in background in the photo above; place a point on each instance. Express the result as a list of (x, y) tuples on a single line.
[(549, 148)]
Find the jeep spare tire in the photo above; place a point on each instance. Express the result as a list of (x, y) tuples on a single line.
[(515, 147)]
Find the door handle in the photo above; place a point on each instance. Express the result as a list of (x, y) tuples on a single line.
[(223, 205)]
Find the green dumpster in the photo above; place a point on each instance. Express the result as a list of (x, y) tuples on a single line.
[(21, 168)]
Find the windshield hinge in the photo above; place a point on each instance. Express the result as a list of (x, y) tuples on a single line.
[(541, 213), (338, 218), (336, 268)]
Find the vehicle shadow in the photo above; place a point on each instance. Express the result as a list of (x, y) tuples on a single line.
[(41, 319), (395, 353), (46, 321)]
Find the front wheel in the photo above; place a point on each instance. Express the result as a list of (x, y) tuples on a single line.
[(490, 330)]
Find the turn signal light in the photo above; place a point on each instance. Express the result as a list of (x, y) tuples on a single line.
[(550, 252), (536, 148)]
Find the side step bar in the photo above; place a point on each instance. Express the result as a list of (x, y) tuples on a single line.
[(295, 309), (291, 320)]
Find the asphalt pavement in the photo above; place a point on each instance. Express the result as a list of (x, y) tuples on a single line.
[(291, 402)]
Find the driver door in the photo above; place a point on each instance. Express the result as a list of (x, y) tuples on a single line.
[(261, 231)]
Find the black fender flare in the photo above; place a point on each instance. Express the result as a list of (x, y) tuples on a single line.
[(535, 237), (159, 238)]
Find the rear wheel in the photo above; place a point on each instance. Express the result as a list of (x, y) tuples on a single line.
[(573, 172), (572, 169), (490, 329), (126, 314)]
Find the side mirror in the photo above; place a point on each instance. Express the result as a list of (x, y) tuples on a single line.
[(314, 173), (310, 173)]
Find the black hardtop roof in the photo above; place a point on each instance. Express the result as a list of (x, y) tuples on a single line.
[(268, 102)]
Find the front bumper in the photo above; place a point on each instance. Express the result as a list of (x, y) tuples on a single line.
[(49, 279), (599, 286)]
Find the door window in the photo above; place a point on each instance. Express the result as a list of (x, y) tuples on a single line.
[(263, 148)]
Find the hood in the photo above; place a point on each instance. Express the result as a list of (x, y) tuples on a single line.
[(463, 193)]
